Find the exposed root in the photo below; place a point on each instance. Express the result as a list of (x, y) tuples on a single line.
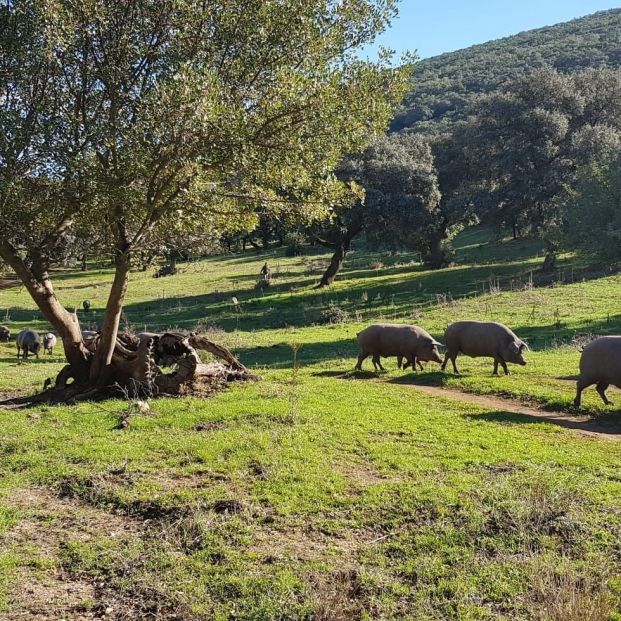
[(135, 371)]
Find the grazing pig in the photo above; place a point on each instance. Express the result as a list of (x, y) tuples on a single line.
[(28, 341), (482, 339), (86, 305), (49, 342), (5, 334), (600, 364), (409, 342)]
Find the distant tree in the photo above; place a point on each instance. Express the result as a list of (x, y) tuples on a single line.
[(527, 143), (456, 207), (397, 176), (590, 221), (146, 117)]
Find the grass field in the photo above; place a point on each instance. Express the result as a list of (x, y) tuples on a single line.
[(316, 493)]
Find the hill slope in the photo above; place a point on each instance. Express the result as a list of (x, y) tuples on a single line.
[(445, 84)]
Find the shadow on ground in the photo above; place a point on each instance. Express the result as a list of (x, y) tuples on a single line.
[(608, 423), (280, 355)]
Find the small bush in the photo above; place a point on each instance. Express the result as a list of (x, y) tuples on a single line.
[(333, 314), (376, 265), (294, 244)]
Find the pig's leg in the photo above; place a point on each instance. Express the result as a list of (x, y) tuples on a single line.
[(453, 359), (502, 363), (601, 389), (361, 358), (399, 362), (580, 386)]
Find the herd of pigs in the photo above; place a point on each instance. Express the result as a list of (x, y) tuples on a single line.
[(600, 362), (29, 342)]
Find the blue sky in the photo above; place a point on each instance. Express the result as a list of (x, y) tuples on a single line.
[(436, 26)]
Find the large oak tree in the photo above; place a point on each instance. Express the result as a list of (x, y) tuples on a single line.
[(399, 198), (151, 115)]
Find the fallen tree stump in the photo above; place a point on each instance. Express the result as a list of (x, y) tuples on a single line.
[(136, 370)]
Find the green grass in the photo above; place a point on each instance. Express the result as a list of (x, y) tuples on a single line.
[(316, 493)]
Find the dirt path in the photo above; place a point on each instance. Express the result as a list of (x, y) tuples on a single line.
[(584, 425)]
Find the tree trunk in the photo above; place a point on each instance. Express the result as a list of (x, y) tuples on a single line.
[(39, 286), (101, 364), (336, 263), (549, 263), (437, 256), (101, 372), (84, 262)]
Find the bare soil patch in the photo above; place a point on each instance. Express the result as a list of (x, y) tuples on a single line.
[(273, 545), (44, 590)]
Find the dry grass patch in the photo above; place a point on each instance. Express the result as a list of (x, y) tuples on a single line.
[(336, 596), (44, 589), (563, 594)]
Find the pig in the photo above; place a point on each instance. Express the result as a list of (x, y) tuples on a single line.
[(5, 334), (409, 342), (86, 305), (89, 334), (600, 364), (28, 341), (49, 342), (483, 339)]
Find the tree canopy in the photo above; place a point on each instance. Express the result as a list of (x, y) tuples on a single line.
[(174, 115), (527, 142), (400, 194)]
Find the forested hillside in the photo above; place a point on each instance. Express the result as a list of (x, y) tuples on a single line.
[(445, 84)]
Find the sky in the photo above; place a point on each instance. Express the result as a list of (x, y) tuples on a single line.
[(432, 27)]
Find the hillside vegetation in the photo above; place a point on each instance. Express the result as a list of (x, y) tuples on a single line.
[(445, 85), (317, 493)]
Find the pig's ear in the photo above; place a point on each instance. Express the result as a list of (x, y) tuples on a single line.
[(524, 345), (514, 347), (437, 343)]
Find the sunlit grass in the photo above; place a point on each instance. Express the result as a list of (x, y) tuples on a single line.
[(319, 493)]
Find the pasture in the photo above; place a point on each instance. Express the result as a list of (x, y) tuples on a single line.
[(317, 493)]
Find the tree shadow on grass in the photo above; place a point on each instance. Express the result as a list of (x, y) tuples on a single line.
[(14, 360), (422, 378), (280, 355), (352, 374)]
